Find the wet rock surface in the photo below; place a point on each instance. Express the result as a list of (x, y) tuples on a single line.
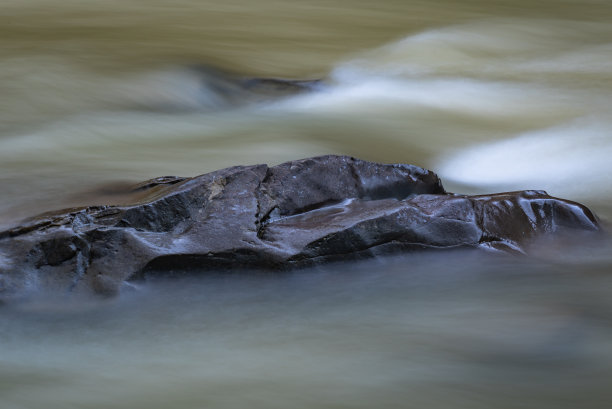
[(295, 214)]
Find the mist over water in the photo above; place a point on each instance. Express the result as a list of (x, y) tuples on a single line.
[(493, 96), (443, 332)]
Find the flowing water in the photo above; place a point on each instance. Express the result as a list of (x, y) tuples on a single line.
[(492, 95)]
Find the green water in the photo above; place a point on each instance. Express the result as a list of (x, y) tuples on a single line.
[(492, 95)]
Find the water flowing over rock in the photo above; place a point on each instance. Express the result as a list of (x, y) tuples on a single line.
[(299, 213)]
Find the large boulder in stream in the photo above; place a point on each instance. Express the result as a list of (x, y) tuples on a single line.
[(299, 213)]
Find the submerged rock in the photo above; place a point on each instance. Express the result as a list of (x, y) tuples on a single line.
[(298, 213), (231, 89)]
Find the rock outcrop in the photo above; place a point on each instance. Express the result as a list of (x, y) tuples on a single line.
[(295, 214)]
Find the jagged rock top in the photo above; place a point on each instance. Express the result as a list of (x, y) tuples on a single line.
[(298, 213)]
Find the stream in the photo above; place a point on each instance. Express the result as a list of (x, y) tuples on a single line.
[(492, 95)]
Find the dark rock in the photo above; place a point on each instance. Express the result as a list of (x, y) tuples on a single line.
[(295, 214), (233, 90)]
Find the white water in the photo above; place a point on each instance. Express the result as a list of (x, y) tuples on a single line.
[(494, 96)]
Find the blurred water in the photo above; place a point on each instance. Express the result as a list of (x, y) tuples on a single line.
[(444, 332), (493, 96)]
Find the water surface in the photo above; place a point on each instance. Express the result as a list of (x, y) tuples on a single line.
[(492, 95)]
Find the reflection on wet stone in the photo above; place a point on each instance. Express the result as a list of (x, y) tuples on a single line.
[(296, 214)]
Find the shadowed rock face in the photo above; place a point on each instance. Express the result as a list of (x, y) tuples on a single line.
[(298, 213)]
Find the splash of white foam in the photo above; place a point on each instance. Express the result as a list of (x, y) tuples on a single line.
[(572, 158)]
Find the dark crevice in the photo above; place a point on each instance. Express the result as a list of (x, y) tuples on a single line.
[(185, 264), (489, 239), (366, 251), (263, 222), (357, 178), (266, 177)]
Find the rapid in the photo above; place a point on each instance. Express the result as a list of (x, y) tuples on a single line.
[(493, 96)]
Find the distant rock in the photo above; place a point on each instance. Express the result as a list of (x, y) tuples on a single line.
[(235, 90), (299, 213)]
